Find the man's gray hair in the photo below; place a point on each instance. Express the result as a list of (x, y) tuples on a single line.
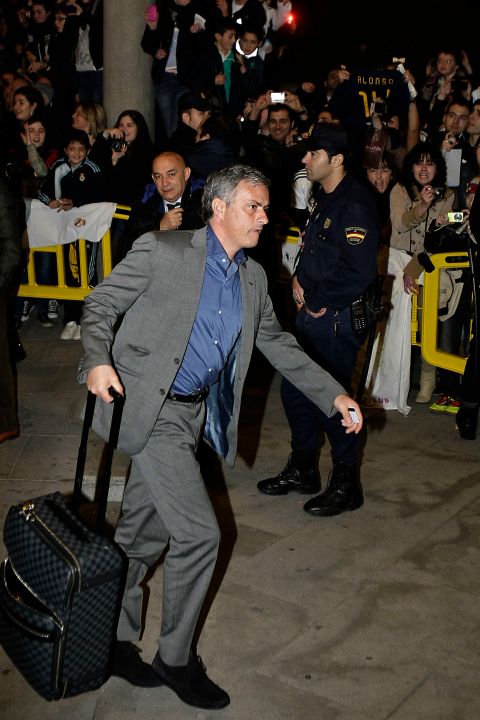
[(224, 184)]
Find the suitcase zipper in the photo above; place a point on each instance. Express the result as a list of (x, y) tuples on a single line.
[(27, 510)]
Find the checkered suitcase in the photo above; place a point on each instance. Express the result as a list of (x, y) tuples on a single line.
[(61, 585)]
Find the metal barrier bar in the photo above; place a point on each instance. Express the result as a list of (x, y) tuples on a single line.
[(431, 288), (62, 291)]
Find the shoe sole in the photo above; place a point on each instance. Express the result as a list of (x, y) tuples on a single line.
[(324, 512), (154, 682), (282, 493)]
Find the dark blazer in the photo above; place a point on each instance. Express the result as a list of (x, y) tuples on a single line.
[(145, 217), (156, 289), (12, 225)]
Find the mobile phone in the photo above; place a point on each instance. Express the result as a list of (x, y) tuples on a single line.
[(353, 414), (455, 216), (277, 97), (152, 13), (359, 317)]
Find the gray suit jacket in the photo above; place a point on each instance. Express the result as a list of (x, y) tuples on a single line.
[(156, 289)]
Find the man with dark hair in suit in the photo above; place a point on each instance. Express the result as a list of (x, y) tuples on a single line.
[(171, 206), (193, 307)]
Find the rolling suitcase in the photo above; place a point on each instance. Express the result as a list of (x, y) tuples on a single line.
[(61, 585)]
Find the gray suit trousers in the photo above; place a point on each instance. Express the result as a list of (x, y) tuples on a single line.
[(166, 502)]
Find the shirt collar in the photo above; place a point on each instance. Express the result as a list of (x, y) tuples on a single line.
[(216, 249)]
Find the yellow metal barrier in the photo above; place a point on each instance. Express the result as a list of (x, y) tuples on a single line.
[(62, 291), (429, 334)]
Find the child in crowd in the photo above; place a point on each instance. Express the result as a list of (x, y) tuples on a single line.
[(251, 64), (72, 181)]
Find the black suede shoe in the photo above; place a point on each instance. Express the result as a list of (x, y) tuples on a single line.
[(343, 493), (466, 420), (128, 665), (191, 683), (291, 479)]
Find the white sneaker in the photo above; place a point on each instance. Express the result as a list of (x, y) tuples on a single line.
[(52, 309), (77, 333), (69, 331)]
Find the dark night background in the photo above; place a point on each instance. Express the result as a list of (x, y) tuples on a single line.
[(329, 34)]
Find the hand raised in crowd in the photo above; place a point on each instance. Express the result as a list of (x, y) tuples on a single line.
[(26, 135), (445, 89), (427, 197), (152, 24), (222, 5), (220, 79), (293, 102), (37, 65), (172, 219), (160, 54), (449, 141)]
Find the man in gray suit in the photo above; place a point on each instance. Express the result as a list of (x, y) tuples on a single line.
[(193, 306)]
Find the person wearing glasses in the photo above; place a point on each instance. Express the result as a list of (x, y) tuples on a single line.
[(167, 204)]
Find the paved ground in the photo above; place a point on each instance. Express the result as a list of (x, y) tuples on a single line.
[(367, 616)]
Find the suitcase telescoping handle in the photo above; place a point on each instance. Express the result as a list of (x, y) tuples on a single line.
[(105, 471)]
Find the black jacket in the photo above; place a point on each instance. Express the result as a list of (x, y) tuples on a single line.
[(188, 44), (338, 258), (146, 215), (12, 224)]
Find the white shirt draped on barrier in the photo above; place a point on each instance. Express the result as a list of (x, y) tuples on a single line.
[(46, 226)]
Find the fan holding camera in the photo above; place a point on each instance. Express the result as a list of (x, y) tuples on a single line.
[(125, 153), (454, 144)]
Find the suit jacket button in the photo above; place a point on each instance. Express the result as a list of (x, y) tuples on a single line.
[(162, 391), (177, 361)]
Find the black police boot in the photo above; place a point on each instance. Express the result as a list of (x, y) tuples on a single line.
[(343, 493), (299, 475)]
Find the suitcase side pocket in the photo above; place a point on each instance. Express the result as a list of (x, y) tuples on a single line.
[(30, 634)]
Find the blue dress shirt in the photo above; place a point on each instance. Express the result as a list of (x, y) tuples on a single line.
[(218, 321)]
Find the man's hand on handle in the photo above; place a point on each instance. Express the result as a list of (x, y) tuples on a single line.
[(100, 379)]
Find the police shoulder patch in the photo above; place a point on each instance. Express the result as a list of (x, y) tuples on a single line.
[(355, 235)]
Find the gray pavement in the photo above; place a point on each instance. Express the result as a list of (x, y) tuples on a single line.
[(370, 615)]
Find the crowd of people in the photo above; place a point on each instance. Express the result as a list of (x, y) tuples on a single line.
[(378, 170), (220, 99)]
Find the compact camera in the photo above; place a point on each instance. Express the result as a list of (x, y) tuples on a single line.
[(455, 216), (277, 97), (439, 192), (117, 144)]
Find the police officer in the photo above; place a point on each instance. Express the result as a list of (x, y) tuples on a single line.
[(337, 263)]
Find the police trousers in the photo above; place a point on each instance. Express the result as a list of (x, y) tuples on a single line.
[(331, 342)]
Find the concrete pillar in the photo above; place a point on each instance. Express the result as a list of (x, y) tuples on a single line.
[(127, 82)]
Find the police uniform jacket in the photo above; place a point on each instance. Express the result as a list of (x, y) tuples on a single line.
[(338, 258)]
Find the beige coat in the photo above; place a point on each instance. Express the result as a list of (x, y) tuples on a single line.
[(409, 228)]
